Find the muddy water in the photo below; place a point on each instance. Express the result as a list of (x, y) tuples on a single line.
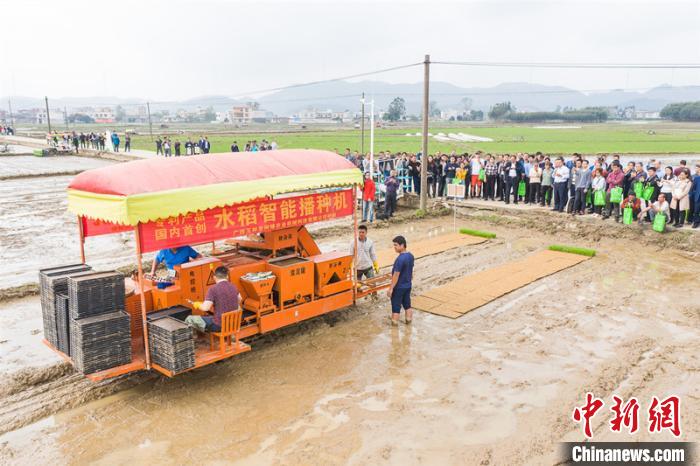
[(497, 385), (46, 166)]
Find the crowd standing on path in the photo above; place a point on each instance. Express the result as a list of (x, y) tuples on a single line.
[(167, 148), (601, 186), (95, 141)]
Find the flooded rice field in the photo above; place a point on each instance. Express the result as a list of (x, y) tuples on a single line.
[(496, 386)]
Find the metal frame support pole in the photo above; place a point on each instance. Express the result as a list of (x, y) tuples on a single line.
[(424, 150), (354, 258), (82, 239), (139, 260)]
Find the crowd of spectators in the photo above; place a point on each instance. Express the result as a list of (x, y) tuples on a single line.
[(601, 186)]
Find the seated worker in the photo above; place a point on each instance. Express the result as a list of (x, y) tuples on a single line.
[(223, 297), (634, 203), (174, 256), (655, 208)]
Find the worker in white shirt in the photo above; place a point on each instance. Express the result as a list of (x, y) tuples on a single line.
[(366, 265), (561, 180)]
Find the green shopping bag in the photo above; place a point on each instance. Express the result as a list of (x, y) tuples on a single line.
[(521, 188), (616, 195), (659, 223), (547, 196), (589, 197), (638, 189), (456, 181), (627, 216), (599, 198), (647, 193), (482, 174)]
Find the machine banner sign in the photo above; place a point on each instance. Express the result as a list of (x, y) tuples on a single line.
[(94, 227), (244, 219)]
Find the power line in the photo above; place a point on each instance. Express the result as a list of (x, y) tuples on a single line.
[(572, 65), (342, 78)]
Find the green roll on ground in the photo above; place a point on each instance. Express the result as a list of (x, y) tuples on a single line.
[(572, 250), (483, 234)]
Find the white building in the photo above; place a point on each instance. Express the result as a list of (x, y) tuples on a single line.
[(102, 115), (314, 117), (647, 115), (56, 117)]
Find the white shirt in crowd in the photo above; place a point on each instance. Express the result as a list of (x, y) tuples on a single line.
[(561, 174)]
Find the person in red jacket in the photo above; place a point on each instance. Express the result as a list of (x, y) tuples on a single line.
[(633, 202), (614, 180), (368, 195)]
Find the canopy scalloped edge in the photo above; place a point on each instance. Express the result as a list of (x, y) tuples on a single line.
[(145, 207)]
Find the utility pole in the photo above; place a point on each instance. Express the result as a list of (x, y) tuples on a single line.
[(362, 125), (371, 139), (48, 117), (65, 117), (424, 150), (150, 124), (12, 119)]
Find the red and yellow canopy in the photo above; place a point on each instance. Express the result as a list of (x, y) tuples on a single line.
[(147, 190)]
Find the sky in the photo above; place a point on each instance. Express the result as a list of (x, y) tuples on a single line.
[(177, 49)]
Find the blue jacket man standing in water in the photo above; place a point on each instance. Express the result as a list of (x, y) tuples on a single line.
[(401, 279)]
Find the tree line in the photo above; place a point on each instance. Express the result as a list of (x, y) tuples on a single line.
[(507, 111), (682, 111)]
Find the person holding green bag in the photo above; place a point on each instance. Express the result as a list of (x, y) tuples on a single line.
[(630, 209), (598, 186), (583, 185), (614, 181), (660, 208)]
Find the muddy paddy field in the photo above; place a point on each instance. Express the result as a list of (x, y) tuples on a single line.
[(496, 386)]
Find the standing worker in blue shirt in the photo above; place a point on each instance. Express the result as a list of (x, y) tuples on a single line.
[(401, 277), (174, 256)]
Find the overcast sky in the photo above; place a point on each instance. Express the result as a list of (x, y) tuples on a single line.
[(179, 49)]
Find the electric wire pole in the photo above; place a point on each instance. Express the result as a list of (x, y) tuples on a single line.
[(150, 124), (12, 119), (48, 117), (362, 125), (424, 150)]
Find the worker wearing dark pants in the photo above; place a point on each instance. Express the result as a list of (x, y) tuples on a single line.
[(560, 196), (392, 185), (511, 185), (610, 206)]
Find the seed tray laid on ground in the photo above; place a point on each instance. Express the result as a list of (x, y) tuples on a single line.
[(95, 294), (171, 343), (54, 281), (100, 342)]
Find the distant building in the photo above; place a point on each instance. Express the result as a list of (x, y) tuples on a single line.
[(647, 115), (56, 115), (240, 114), (102, 115), (314, 117)]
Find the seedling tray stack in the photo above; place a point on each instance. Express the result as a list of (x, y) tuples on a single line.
[(100, 342), (52, 282), (171, 344), (95, 294)]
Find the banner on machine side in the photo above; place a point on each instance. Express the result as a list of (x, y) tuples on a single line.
[(244, 219), (94, 227)]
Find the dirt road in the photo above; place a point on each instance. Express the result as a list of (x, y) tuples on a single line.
[(496, 386)]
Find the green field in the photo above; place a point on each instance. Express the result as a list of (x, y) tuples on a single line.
[(655, 138)]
